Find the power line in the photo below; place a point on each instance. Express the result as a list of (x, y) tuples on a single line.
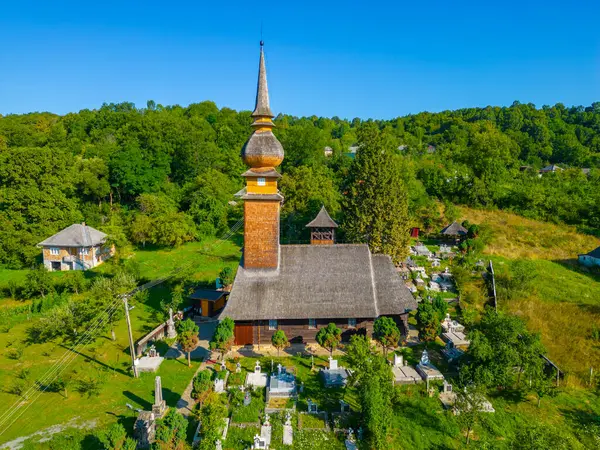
[(48, 378)]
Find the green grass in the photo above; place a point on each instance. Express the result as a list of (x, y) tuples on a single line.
[(211, 255), (104, 358), (240, 438), (251, 412), (563, 305), (310, 421)]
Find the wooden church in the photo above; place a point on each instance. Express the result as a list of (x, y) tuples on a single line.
[(301, 288)]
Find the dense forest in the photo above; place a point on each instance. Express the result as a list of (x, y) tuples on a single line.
[(166, 175)]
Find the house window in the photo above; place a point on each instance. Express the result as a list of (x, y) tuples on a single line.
[(85, 251), (351, 323), (54, 251), (261, 181), (272, 324), (312, 324)]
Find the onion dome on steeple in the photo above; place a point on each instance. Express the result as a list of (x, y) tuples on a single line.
[(262, 150)]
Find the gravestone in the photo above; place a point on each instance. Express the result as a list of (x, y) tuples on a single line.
[(265, 432), (288, 432), (333, 364), (425, 358), (279, 368), (144, 429), (259, 442), (171, 333), (398, 360), (238, 367), (344, 407), (312, 407), (219, 385), (160, 405), (350, 441), (247, 399), (257, 367), (218, 445), (223, 365), (447, 387)]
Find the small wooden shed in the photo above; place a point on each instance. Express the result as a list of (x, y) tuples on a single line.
[(209, 301)]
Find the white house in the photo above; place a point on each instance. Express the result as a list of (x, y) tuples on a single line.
[(591, 259)]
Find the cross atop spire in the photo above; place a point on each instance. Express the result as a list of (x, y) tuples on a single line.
[(262, 108)]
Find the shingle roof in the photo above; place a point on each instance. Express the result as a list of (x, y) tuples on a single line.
[(320, 282), (207, 294), (262, 108), (323, 220), (76, 235), (454, 229)]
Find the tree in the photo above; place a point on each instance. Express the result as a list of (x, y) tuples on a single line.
[(499, 343), (386, 332), (75, 281), (115, 438), (372, 377), (468, 407), (38, 282), (187, 337), (141, 229), (542, 384), (211, 416), (279, 341), (170, 431), (223, 336), (329, 337), (201, 385), (375, 207), (429, 321), (226, 276)]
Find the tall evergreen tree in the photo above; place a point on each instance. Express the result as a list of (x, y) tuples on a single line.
[(376, 201)]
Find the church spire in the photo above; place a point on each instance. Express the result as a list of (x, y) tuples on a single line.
[(262, 151), (262, 108)]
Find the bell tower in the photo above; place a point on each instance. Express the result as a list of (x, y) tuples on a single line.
[(262, 153)]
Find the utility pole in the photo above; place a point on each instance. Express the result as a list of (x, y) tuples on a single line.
[(131, 349)]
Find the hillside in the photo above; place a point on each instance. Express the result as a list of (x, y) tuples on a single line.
[(564, 301)]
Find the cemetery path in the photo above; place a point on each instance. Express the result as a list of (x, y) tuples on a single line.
[(186, 403)]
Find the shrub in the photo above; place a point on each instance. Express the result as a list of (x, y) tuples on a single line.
[(202, 383)]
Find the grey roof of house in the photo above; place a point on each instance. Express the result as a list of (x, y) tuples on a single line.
[(454, 229), (320, 282), (323, 220), (76, 235), (594, 253), (550, 168), (207, 294)]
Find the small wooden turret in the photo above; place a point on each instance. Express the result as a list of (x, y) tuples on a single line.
[(322, 229)]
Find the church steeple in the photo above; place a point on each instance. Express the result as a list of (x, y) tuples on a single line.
[(263, 151), (262, 200), (262, 109)]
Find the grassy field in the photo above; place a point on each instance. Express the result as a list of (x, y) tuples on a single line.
[(105, 359), (517, 237), (563, 303)]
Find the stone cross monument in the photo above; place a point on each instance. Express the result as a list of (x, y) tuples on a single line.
[(160, 406), (171, 333)]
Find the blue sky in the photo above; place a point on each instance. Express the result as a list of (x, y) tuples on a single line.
[(363, 59)]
